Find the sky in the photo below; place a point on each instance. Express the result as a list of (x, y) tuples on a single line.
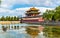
[(19, 7)]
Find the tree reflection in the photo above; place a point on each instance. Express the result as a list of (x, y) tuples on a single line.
[(52, 31), (4, 28)]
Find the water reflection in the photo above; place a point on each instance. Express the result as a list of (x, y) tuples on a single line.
[(52, 31), (25, 31)]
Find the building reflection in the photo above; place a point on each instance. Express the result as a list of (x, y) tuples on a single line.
[(49, 31)]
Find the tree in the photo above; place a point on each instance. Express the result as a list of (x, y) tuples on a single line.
[(52, 14), (17, 18), (8, 18), (48, 14), (2, 18), (0, 1), (12, 19), (57, 13)]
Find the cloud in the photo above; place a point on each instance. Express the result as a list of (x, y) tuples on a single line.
[(38, 3), (19, 11), (7, 3), (6, 8)]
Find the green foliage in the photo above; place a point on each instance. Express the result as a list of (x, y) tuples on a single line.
[(2, 18), (0, 1), (8, 18), (48, 14), (52, 14)]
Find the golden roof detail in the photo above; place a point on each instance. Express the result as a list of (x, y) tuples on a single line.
[(32, 9)]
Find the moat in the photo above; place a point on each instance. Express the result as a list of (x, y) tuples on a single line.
[(50, 31)]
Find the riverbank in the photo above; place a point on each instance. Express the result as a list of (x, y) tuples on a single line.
[(9, 22), (44, 23)]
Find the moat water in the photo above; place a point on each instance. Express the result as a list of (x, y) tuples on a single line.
[(50, 31)]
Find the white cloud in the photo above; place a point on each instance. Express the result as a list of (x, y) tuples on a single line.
[(47, 3), (19, 11), (22, 1), (10, 3), (7, 5)]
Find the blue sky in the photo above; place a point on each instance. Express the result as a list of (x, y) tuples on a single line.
[(18, 7)]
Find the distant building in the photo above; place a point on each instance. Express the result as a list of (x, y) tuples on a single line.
[(32, 16)]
